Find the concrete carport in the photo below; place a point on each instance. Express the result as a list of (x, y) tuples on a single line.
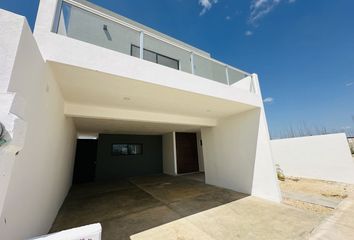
[(231, 145), (233, 130), (132, 193)]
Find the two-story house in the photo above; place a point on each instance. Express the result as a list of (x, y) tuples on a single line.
[(86, 71)]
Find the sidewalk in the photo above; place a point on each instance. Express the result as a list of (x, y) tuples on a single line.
[(340, 225)]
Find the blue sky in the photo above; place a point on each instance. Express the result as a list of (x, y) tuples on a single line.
[(302, 50)]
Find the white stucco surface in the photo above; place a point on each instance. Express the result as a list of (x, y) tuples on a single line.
[(200, 151), (169, 154), (90, 232), (265, 182), (237, 156), (36, 166), (325, 157)]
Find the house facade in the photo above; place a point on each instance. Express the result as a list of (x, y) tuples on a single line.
[(86, 71)]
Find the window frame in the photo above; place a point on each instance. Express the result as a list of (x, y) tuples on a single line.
[(128, 152), (156, 58)]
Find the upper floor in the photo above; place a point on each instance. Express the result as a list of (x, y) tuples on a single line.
[(84, 21), (101, 59)]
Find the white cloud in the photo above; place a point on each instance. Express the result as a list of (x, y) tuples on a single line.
[(268, 100), (260, 8), (206, 4), (248, 33), (348, 84)]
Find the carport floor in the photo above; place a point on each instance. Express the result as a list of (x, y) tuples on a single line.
[(129, 206)]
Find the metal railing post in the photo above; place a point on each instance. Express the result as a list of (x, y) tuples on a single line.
[(192, 63), (227, 74), (253, 87), (141, 45)]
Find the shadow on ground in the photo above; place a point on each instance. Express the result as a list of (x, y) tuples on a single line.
[(129, 206)]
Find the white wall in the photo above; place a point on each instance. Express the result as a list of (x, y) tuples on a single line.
[(92, 232), (7, 59), (169, 154), (325, 157), (265, 181), (237, 156), (40, 175), (200, 152)]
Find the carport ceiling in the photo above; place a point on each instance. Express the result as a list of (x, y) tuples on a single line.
[(90, 125), (87, 87)]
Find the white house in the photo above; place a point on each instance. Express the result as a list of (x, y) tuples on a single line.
[(87, 71)]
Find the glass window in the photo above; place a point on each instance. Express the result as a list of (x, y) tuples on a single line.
[(135, 149), (168, 62), (119, 149), (150, 56), (155, 57), (135, 52)]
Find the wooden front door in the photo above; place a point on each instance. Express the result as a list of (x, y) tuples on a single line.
[(187, 153)]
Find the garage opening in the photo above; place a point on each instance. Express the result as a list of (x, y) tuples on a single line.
[(116, 156), (121, 181)]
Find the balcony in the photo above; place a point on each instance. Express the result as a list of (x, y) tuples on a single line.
[(86, 22)]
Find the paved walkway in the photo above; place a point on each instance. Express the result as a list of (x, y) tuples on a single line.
[(313, 199), (340, 225)]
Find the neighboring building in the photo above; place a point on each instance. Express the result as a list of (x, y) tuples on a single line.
[(86, 72)]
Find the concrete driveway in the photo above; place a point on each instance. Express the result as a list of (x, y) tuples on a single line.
[(248, 218), (129, 206), (165, 207)]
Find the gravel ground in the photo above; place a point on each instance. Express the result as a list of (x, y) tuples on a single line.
[(328, 189)]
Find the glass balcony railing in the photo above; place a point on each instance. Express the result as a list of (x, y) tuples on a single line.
[(87, 24)]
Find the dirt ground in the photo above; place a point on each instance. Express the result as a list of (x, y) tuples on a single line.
[(320, 188)]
